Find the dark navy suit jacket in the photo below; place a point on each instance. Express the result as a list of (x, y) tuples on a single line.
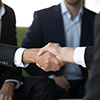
[(47, 26)]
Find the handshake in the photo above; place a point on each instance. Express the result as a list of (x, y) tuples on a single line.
[(49, 58)]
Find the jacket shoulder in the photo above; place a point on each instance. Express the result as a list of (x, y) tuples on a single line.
[(89, 12), (8, 9), (48, 10)]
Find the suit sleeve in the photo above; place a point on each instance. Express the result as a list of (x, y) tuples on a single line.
[(7, 55), (14, 74), (93, 84), (89, 56)]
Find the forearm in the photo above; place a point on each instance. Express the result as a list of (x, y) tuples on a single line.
[(13, 84), (30, 55), (67, 54), (7, 91), (9, 84)]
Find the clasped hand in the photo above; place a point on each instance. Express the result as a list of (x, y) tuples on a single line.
[(53, 58), (50, 58)]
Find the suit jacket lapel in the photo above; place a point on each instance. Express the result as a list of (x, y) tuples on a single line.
[(59, 22), (4, 27), (84, 28)]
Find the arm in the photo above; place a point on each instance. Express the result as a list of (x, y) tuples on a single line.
[(65, 54), (12, 78), (7, 55), (78, 55), (7, 91), (45, 61)]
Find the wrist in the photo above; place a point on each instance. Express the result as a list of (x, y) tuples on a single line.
[(30, 55), (9, 84), (67, 54)]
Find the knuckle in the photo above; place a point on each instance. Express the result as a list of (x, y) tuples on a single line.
[(46, 69), (49, 56), (46, 66), (46, 61), (58, 64), (57, 44), (49, 43)]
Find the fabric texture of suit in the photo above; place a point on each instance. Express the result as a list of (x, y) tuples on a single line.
[(89, 52), (93, 86), (6, 59), (31, 85), (47, 26)]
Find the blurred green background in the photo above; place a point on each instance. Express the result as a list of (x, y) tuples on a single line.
[(21, 32)]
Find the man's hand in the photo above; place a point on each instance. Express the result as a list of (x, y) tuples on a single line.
[(62, 82), (29, 55), (51, 47), (7, 91), (47, 61), (64, 54)]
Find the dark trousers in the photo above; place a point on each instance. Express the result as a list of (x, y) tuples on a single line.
[(36, 88), (77, 90)]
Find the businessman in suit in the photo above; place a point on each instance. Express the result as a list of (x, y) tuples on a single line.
[(56, 24), (91, 57), (13, 86), (21, 57)]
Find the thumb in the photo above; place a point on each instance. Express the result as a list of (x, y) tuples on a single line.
[(42, 50)]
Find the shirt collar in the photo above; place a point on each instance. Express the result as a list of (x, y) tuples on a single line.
[(2, 11), (64, 10)]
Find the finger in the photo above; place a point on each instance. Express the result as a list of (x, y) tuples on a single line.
[(45, 48), (64, 80), (6, 98), (60, 82), (38, 65), (53, 50), (66, 84), (10, 98), (42, 67), (61, 63), (42, 50), (55, 63), (58, 56), (1, 97)]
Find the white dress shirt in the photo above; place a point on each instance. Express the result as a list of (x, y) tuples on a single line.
[(72, 30), (18, 58), (79, 56)]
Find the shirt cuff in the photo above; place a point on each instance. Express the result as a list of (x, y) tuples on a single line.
[(79, 56), (51, 76), (19, 83), (18, 58)]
